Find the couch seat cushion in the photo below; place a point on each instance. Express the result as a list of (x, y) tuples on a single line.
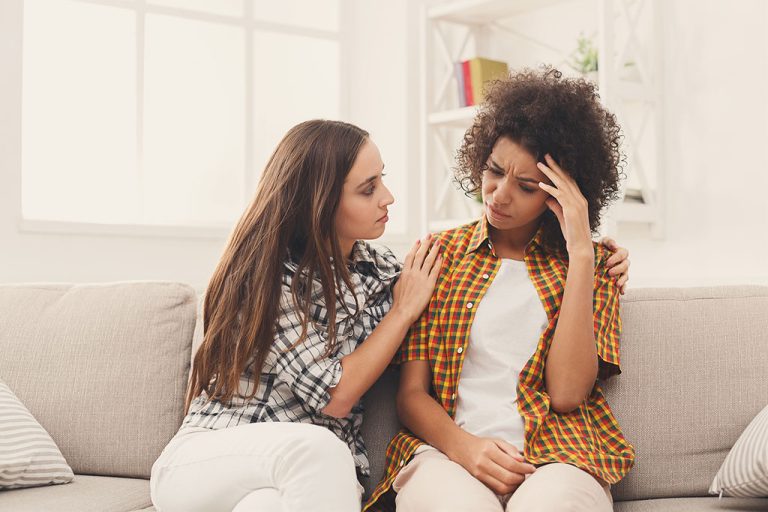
[(84, 494), (692, 505)]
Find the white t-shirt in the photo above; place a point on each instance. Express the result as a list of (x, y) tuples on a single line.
[(504, 335)]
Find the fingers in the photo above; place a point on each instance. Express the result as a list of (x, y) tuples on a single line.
[(622, 283), (557, 209), (496, 485), (432, 255), (421, 252), (512, 460), (610, 243), (411, 254), (620, 269), (509, 449), (617, 257), (553, 191), (435, 271)]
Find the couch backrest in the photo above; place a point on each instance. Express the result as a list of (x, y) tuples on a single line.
[(102, 367), (694, 374)]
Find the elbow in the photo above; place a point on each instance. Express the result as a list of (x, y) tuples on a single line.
[(562, 404), (338, 407)]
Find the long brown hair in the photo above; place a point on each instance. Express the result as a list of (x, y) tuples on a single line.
[(292, 215)]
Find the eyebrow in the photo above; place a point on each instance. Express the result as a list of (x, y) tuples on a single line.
[(518, 178), (372, 178)]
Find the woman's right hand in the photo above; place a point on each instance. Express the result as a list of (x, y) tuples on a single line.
[(495, 462), (414, 288)]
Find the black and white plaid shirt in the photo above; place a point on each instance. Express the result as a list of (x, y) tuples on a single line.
[(295, 381)]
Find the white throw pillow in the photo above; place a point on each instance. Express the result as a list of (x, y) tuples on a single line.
[(28, 455), (744, 472)]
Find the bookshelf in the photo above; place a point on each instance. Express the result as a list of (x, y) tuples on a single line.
[(627, 33)]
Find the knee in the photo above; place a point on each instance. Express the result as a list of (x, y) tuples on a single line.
[(319, 445)]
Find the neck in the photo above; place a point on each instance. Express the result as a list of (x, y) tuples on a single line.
[(511, 243), (346, 248)]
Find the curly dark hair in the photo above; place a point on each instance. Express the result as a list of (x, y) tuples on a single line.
[(546, 113)]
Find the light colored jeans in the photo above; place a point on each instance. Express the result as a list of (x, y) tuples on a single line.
[(275, 467), (433, 482)]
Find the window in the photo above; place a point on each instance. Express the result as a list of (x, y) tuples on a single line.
[(164, 112)]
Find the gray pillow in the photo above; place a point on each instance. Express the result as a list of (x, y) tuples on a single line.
[(744, 472), (28, 455)]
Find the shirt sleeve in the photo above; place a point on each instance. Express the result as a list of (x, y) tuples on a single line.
[(606, 316)]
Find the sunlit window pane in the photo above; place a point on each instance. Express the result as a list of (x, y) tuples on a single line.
[(79, 113), (225, 7), (299, 82), (194, 122), (318, 14)]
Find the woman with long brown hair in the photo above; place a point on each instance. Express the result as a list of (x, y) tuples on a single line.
[(273, 415)]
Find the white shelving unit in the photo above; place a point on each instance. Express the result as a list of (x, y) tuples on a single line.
[(628, 31)]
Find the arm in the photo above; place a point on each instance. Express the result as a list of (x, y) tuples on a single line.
[(364, 365), (571, 367)]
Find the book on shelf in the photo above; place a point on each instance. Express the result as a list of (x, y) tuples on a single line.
[(472, 75)]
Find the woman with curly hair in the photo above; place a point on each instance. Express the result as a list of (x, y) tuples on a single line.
[(500, 386)]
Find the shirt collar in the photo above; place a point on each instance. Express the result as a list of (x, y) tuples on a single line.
[(481, 237)]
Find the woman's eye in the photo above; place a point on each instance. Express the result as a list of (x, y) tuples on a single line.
[(528, 190), (369, 190)]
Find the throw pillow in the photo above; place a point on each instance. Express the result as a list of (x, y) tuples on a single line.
[(744, 472), (28, 455)]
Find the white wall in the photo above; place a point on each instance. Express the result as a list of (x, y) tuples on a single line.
[(716, 68), (716, 109)]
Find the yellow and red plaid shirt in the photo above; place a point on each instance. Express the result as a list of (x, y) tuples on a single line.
[(588, 437)]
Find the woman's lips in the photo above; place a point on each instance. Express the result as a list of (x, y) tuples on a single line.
[(496, 213), (383, 219)]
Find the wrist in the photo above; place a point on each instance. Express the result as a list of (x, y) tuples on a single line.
[(582, 253), (400, 315), (457, 441)]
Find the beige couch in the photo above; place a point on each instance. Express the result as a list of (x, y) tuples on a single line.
[(103, 368)]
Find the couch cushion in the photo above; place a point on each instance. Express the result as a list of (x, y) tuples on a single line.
[(694, 366), (693, 505), (84, 494), (102, 367)]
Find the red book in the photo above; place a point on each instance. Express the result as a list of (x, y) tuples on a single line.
[(467, 83)]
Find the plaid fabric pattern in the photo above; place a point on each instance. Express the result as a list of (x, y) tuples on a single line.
[(294, 383), (589, 437)]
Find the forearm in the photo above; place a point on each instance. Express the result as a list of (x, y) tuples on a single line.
[(365, 364), (571, 366), (426, 418)]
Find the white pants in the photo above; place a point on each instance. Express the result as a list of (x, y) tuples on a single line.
[(275, 467)]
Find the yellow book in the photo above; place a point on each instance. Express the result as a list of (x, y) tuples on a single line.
[(481, 71)]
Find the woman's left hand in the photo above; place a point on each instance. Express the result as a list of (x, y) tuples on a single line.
[(618, 263), (570, 207)]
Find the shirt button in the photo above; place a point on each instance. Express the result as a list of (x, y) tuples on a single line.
[(469, 305), (460, 350), (453, 396), (402, 462), (486, 276)]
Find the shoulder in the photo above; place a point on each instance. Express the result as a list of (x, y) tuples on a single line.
[(455, 241), (383, 259)]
